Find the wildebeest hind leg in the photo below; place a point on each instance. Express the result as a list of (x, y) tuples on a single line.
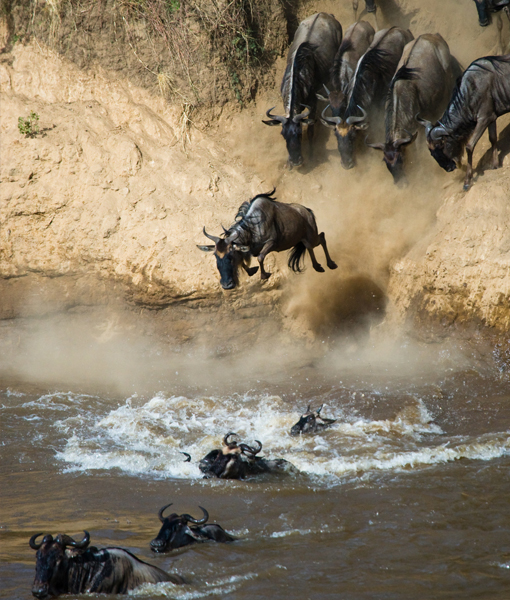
[(331, 263), (315, 264), (493, 138)]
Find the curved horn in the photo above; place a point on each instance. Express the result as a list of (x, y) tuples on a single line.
[(436, 133), (327, 91), (332, 120), (225, 231), (162, 510), (32, 543), (404, 141), (67, 540), (246, 448), (352, 120), (304, 115), (319, 409), (197, 521), (282, 120), (427, 124), (376, 146), (188, 456), (211, 237), (225, 439)]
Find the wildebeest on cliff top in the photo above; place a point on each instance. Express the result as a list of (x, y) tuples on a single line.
[(65, 566), (480, 97), (264, 225), (309, 60)]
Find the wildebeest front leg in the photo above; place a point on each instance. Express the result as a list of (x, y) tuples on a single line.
[(493, 138), (331, 263), (249, 270), (309, 135), (266, 249), (481, 126)]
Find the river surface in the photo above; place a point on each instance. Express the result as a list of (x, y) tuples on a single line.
[(404, 497)]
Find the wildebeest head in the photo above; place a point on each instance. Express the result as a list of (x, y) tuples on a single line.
[(394, 156), (175, 531), (232, 461), (292, 132), (444, 148), (50, 568), (310, 422), (346, 132), (229, 257)]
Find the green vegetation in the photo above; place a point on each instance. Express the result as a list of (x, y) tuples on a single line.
[(29, 127)]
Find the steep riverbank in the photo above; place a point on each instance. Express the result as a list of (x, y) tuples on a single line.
[(105, 206)]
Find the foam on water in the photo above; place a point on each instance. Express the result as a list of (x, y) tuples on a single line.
[(219, 587), (147, 438)]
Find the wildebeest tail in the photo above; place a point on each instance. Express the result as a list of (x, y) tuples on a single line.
[(296, 258)]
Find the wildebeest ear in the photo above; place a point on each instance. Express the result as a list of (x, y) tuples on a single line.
[(206, 248), (362, 126)]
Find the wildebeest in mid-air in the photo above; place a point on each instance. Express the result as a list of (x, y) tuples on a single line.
[(182, 530), (369, 89), (264, 225), (66, 566), (484, 7), (356, 42), (309, 60), (238, 460), (423, 83), (479, 98), (311, 422)]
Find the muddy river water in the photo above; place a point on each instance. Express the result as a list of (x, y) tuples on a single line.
[(404, 497)]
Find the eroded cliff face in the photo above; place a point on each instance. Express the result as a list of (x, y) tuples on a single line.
[(107, 203)]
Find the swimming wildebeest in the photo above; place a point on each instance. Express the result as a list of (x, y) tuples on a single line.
[(485, 6), (480, 97), (65, 566), (423, 83), (182, 530), (356, 42), (238, 460), (308, 63), (264, 225), (311, 422), (369, 89)]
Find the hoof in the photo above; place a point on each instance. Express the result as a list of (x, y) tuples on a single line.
[(264, 276), (251, 270), (332, 265), (466, 186), (483, 23), (319, 269)]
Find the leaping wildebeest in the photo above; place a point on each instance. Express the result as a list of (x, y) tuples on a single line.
[(238, 460), (479, 98), (309, 60), (264, 225), (423, 84), (182, 530), (66, 566), (369, 89), (356, 42)]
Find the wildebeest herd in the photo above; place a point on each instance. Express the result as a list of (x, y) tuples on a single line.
[(67, 566), (364, 78)]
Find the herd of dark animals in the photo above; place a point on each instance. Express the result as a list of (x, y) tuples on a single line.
[(67, 566), (365, 74), (364, 78)]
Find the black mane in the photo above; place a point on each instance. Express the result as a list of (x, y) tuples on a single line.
[(308, 68), (244, 222), (373, 65), (345, 46)]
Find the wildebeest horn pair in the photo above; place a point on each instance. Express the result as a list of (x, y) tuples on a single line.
[(186, 516), (352, 120), (338, 120), (245, 448), (62, 539), (276, 120)]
